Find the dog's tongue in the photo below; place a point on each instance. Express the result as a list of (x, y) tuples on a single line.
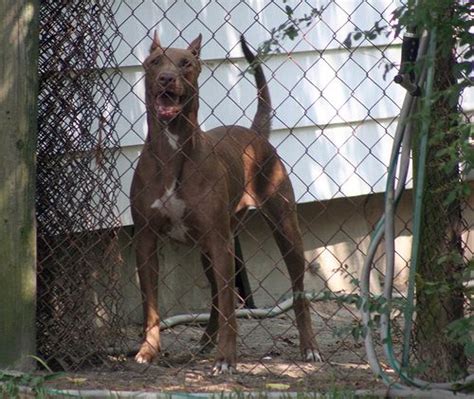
[(167, 106), (167, 111)]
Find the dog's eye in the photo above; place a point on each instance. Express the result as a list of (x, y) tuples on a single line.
[(185, 63), (156, 60)]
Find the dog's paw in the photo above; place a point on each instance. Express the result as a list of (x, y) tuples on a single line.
[(312, 355), (143, 358), (223, 367), (146, 354)]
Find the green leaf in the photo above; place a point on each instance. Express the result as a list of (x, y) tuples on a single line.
[(372, 35), (347, 41), (291, 32)]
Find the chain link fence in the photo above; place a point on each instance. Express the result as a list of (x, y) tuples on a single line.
[(335, 113), (77, 184)]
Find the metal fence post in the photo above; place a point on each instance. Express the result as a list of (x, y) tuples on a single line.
[(18, 98)]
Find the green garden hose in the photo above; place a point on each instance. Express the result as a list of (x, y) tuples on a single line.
[(386, 227)]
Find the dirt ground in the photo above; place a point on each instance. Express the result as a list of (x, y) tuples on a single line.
[(269, 360)]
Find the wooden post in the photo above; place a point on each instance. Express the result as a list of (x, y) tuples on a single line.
[(18, 97)]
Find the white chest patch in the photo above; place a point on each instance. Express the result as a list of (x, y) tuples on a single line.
[(172, 207), (172, 139)]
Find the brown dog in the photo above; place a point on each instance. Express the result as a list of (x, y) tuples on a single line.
[(195, 187)]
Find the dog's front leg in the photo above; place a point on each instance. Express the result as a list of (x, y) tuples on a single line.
[(147, 267), (209, 338), (222, 261)]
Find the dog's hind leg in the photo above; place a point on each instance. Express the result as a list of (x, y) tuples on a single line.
[(282, 219), (242, 282)]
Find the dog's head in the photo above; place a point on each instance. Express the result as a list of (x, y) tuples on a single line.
[(171, 76)]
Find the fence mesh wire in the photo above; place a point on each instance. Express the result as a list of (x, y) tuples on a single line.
[(77, 184), (335, 114)]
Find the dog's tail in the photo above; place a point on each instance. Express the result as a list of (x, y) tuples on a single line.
[(262, 119)]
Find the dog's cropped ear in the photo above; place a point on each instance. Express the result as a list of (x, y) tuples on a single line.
[(156, 42), (195, 46)]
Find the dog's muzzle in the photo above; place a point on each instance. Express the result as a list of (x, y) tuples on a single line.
[(168, 104)]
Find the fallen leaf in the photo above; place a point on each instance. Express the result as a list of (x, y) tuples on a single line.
[(77, 380), (277, 386)]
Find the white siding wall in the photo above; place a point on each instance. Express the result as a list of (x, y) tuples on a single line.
[(334, 110)]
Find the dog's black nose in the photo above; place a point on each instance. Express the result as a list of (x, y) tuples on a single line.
[(166, 78)]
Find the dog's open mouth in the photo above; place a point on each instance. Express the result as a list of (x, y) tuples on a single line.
[(168, 105)]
